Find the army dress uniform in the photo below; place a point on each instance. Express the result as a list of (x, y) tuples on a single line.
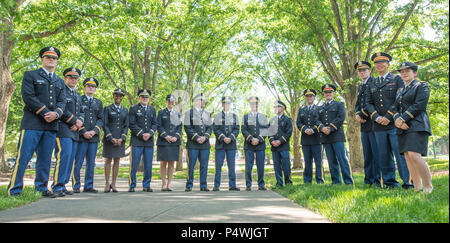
[(42, 92), (115, 119), (411, 107), (308, 118), (87, 148), (380, 98), (372, 171), (66, 139), (169, 124), (142, 120), (197, 123), (254, 125), (226, 125), (280, 128), (332, 115)]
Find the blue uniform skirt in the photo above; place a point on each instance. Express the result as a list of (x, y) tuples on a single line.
[(413, 141), (168, 152), (111, 151)]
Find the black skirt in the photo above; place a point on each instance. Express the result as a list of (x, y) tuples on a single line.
[(111, 151), (168, 153), (413, 141)]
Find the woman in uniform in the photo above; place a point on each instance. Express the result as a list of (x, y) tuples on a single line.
[(115, 134), (169, 136), (413, 125)]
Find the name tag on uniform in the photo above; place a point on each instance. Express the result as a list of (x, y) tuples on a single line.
[(164, 117), (40, 81), (390, 84), (113, 112)]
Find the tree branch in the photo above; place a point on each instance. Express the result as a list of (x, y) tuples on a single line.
[(402, 25)]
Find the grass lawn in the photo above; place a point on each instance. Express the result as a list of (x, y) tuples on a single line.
[(359, 204), (28, 196)]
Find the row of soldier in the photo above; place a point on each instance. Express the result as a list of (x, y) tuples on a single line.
[(55, 116)]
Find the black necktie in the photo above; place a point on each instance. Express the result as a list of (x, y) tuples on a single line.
[(50, 76)]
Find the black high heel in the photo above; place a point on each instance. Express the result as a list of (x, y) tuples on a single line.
[(113, 190), (108, 190)]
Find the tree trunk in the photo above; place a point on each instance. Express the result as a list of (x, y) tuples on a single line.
[(353, 129), (297, 151), (155, 68), (146, 67), (7, 86), (179, 165)]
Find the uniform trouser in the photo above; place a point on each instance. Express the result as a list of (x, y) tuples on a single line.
[(311, 152), (249, 160), (387, 143), (29, 142), (88, 151), (65, 151), (372, 171), (203, 156), (338, 162), (231, 160), (282, 166), (137, 153)]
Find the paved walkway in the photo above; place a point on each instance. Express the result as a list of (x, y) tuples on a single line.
[(177, 206)]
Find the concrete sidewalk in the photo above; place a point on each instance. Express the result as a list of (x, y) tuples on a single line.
[(177, 206)]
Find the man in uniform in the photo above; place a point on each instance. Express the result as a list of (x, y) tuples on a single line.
[(198, 127), (89, 137), (308, 123), (43, 95), (280, 132), (369, 144), (143, 126), (332, 116), (254, 129), (67, 136), (380, 98), (226, 128)]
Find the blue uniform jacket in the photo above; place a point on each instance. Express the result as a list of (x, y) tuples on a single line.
[(142, 121), (41, 95), (333, 116), (93, 118), (72, 113), (309, 119)]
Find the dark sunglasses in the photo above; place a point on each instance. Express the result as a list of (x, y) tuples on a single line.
[(73, 76)]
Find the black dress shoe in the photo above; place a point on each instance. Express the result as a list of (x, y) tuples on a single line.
[(59, 194), (67, 192), (48, 194), (147, 189), (216, 189), (188, 189), (168, 189), (131, 190), (234, 189), (248, 188), (76, 190), (262, 188), (204, 189), (91, 190)]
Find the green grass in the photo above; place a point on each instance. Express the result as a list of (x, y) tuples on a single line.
[(351, 204), (28, 195)]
